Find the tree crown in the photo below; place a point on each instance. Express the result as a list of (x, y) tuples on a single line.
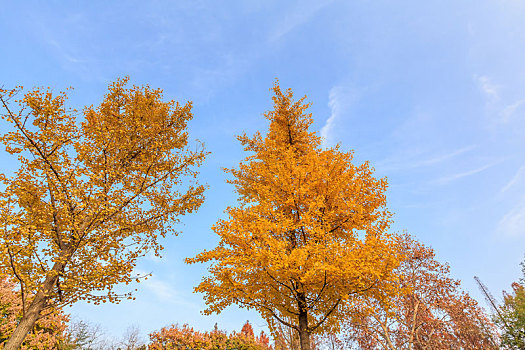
[(309, 232)]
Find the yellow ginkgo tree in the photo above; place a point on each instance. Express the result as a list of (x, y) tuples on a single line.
[(93, 192), (309, 232)]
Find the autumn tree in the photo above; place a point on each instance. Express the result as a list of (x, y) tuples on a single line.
[(185, 337), (510, 316), (48, 332), (131, 340), (91, 194), (84, 335), (287, 338), (309, 232), (512, 321), (263, 339), (247, 330), (429, 311)]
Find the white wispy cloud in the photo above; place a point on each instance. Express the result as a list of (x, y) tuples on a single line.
[(515, 179), (497, 104), (71, 55), (443, 157), (335, 111), (339, 99), (296, 18), (508, 111), (62, 53), (161, 289), (401, 163), (513, 223), (457, 176), (156, 259), (490, 89)]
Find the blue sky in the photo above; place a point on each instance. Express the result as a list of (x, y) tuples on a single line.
[(432, 93)]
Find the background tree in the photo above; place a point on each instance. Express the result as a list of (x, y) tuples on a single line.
[(131, 339), (49, 331), (331, 342), (287, 338), (511, 316), (247, 330), (428, 312), (90, 197), (309, 233), (82, 335), (263, 339), (186, 337), (513, 313)]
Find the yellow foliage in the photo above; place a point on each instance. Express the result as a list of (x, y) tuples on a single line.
[(90, 198), (309, 232)]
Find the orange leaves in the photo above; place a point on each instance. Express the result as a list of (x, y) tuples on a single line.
[(186, 337), (309, 231), (48, 332), (247, 330)]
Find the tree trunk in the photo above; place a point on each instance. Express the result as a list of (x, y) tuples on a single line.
[(32, 314), (304, 335)]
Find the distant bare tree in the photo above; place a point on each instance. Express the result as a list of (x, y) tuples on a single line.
[(83, 335), (132, 339)]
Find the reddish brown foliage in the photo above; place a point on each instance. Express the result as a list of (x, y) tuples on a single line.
[(48, 331), (186, 337), (429, 311), (263, 339), (247, 330)]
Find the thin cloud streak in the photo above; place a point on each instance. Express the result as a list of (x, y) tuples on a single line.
[(513, 223), (515, 179), (63, 53), (448, 179), (335, 110), (443, 157), (160, 288), (496, 103), (296, 19), (508, 112), (396, 164)]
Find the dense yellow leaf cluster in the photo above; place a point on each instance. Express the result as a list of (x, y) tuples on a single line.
[(91, 197), (309, 233)]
